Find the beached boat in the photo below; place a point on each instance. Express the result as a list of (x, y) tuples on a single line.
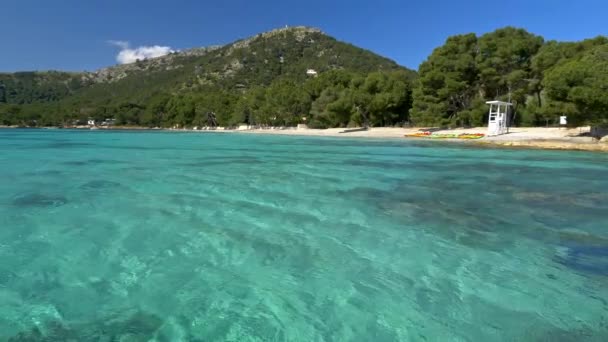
[(429, 135), (471, 136), (418, 135)]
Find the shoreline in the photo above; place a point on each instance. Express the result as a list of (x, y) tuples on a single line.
[(551, 138), (521, 137)]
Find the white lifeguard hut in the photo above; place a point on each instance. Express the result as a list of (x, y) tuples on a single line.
[(498, 119)]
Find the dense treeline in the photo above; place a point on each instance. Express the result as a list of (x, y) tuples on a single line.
[(542, 80), (263, 81), (336, 98)]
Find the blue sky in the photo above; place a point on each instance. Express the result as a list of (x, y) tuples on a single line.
[(75, 34)]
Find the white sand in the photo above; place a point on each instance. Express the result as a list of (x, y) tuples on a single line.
[(537, 137)]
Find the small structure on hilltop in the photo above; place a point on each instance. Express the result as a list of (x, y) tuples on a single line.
[(498, 117), (312, 73)]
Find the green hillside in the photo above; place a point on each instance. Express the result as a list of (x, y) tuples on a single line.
[(182, 88), (37, 87)]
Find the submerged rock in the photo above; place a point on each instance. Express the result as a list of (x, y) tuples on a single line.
[(137, 326), (100, 184), (46, 332), (586, 259), (39, 200)]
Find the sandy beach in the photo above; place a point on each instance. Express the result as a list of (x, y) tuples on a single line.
[(530, 137)]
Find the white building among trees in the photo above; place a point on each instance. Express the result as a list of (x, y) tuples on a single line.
[(312, 73)]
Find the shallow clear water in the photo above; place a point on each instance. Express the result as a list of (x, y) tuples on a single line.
[(214, 237)]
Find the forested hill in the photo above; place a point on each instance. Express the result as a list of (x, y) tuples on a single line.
[(47, 86), (263, 80), (182, 88)]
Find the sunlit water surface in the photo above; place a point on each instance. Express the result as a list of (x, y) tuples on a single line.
[(233, 237)]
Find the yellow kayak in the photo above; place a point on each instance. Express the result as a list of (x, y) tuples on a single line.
[(430, 135)]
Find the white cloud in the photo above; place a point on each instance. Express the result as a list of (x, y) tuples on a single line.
[(129, 55)]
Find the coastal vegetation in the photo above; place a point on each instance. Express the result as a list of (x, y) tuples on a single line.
[(263, 80), (543, 80)]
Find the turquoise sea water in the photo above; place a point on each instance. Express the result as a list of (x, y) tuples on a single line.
[(138, 236)]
